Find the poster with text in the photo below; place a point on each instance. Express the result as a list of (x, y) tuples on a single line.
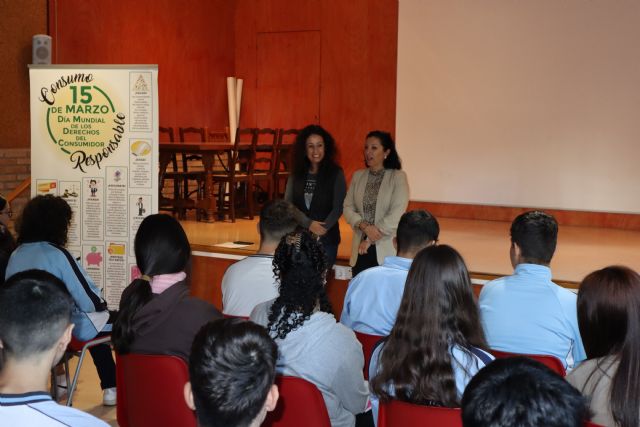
[(94, 143)]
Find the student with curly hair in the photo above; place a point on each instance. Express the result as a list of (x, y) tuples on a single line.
[(437, 343), (317, 187), (7, 242), (42, 235), (311, 344)]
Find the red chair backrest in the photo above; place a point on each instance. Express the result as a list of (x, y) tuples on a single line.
[(396, 413), (150, 391), (590, 424), (549, 361), (231, 316), (300, 404), (368, 343)]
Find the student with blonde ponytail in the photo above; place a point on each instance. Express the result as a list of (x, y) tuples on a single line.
[(157, 315)]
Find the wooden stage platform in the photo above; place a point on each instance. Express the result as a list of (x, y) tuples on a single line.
[(483, 244)]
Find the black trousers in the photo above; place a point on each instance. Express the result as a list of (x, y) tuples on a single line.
[(103, 359), (365, 419), (368, 260)]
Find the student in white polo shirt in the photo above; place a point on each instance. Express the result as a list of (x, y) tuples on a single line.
[(251, 281), (35, 328)]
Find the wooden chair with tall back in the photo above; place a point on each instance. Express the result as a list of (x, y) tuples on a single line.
[(236, 173), (166, 135), (150, 391), (283, 160), (300, 404), (192, 163), (263, 163)]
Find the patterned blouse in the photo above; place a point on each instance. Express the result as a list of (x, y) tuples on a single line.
[(371, 196)]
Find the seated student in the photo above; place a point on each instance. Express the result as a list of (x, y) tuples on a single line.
[(157, 315), (7, 245), (311, 344), (436, 344), (35, 328), (250, 281), (232, 368), (42, 235), (527, 313), (609, 319), (374, 295), (520, 392), (7, 242)]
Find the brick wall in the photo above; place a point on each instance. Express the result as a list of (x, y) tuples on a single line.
[(15, 167)]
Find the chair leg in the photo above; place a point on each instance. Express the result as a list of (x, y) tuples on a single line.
[(250, 194), (232, 201), (54, 384), (76, 375), (66, 368)]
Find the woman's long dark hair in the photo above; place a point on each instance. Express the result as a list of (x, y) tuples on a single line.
[(300, 267), (609, 321), (44, 219), (438, 310), (393, 159), (301, 163), (161, 247)]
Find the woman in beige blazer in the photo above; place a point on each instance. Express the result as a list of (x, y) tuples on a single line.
[(377, 198)]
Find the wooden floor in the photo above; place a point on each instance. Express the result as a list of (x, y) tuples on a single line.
[(483, 244)]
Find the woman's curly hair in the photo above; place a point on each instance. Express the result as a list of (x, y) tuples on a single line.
[(45, 219), (300, 266)]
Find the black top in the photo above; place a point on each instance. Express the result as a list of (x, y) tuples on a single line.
[(326, 203)]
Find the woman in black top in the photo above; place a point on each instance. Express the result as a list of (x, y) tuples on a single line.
[(317, 187)]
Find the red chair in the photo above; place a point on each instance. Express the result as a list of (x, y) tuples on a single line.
[(231, 316), (396, 413), (549, 361), (300, 404), (150, 391), (368, 344), (590, 424)]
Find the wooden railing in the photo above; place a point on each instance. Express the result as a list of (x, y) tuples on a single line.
[(21, 188)]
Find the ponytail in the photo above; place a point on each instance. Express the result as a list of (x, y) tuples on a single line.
[(123, 332)]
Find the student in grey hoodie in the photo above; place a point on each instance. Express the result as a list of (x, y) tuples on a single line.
[(312, 345), (157, 315)]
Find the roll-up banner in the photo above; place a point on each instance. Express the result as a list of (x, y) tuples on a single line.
[(94, 142)]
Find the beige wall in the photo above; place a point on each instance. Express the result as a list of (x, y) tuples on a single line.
[(521, 103)]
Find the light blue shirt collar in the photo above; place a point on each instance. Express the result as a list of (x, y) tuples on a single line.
[(397, 262), (541, 271)]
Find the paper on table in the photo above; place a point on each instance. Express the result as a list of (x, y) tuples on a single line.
[(232, 245)]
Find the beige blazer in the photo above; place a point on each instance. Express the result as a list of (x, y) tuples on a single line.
[(393, 198)]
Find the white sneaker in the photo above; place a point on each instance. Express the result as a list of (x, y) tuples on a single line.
[(109, 396)]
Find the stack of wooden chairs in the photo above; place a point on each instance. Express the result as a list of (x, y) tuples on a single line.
[(253, 170)]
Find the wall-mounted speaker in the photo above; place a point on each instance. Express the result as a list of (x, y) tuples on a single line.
[(41, 49)]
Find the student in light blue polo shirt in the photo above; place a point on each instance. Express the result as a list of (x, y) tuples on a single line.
[(526, 312), (35, 328), (373, 297)]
